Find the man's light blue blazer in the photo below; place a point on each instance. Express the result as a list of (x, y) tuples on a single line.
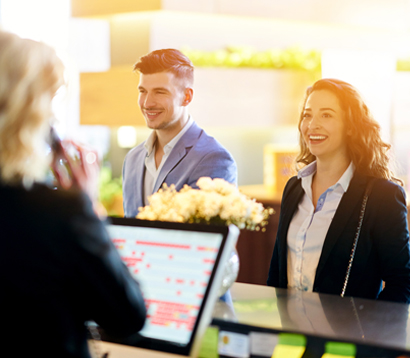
[(195, 155)]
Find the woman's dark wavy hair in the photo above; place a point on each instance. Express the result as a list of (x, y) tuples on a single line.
[(365, 147)]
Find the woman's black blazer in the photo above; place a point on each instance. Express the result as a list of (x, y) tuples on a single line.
[(382, 252), (59, 269)]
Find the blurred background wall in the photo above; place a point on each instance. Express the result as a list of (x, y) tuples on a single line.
[(254, 60)]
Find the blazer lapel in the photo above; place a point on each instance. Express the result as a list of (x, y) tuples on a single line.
[(291, 199), (139, 176), (350, 199), (181, 149)]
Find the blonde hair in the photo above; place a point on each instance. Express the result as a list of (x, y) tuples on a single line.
[(366, 149), (30, 74)]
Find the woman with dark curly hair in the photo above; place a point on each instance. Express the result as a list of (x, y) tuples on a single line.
[(343, 220)]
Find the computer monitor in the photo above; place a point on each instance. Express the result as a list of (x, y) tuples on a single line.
[(180, 268)]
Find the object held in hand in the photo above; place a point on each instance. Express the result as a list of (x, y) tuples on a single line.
[(90, 158), (64, 158), (75, 166)]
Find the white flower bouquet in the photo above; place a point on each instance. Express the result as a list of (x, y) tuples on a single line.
[(215, 202)]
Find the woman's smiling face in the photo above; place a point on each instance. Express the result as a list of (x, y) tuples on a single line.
[(323, 127)]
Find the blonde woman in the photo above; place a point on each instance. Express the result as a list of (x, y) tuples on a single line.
[(341, 157), (58, 267)]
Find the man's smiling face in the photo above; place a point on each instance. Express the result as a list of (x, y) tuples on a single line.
[(162, 99)]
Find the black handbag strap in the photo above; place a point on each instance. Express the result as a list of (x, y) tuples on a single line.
[(356, 238)]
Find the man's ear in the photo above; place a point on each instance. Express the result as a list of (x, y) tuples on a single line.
[(188, 96)]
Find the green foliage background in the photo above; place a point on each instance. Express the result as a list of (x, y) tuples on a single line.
[(109, 187), (294, 58)]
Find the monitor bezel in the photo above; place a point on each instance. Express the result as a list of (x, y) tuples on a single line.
[(229, 238)]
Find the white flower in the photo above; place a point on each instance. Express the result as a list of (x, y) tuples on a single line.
[(223, 187), (205, 183), (209, 204), (184, 204), (215, 201)]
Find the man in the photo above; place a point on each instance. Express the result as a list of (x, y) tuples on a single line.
[(177, 151)]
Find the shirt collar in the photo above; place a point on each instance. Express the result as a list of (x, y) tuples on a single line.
[(347, 176), (171, 144), (344, 180), (149, 144), (308, 170)]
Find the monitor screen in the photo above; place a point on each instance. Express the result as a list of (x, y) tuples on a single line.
[(173, 268), (175, 265)]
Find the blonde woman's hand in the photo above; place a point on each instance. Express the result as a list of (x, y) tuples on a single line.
[(83, 171)]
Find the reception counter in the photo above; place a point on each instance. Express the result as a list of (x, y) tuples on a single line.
[(376, 328)]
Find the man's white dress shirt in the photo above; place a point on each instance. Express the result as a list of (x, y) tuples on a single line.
[(151, 170)]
